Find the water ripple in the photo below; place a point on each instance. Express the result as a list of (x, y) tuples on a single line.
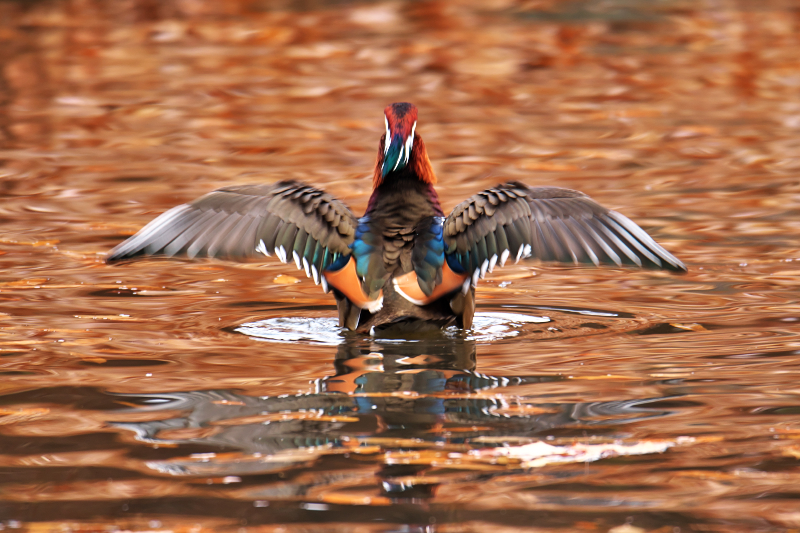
[(487, 327)]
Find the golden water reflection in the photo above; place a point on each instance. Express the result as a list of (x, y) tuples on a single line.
[(131, 399)]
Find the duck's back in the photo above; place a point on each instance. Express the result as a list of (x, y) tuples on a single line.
[(400, 234), (398, 213)]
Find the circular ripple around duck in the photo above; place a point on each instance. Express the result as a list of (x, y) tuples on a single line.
[(495, 326), (314, 330), (487, 327)]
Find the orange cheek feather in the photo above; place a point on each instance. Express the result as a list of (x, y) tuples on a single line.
[(408, 287), (346, 281)]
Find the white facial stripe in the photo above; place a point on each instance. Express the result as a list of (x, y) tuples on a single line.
[(405, 150), (399, 157), (388, 140), (410, 141)]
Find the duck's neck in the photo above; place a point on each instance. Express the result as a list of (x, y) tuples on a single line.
[(403, 195), (410, 188)]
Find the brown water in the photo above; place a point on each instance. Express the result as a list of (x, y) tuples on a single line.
[(206, 396)]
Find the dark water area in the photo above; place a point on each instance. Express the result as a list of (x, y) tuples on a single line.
[(194, 396)]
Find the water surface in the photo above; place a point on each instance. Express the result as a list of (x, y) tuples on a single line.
[(207, 396)]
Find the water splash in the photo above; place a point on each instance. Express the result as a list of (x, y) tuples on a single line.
[(314, 330), (487, 327)]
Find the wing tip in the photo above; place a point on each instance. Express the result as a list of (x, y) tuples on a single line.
[(119, 254), (664, 259), (112, 259), (676, 265)]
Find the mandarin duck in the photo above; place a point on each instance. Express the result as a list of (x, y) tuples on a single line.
[(403, 263)]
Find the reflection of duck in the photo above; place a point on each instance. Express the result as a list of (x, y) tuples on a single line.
[(403, 261), (423, 367), (384, 394)]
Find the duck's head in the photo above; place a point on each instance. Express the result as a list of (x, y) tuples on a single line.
[(400, 146)]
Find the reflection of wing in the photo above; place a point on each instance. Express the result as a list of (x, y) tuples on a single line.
[(549, 223), (289, 219)]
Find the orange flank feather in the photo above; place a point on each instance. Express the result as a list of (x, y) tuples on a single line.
[(346, 281), (408, 287)]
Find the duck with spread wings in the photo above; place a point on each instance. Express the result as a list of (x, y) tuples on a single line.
[(404, 263)]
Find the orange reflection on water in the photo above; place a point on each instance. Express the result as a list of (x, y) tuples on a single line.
[(129, 398)]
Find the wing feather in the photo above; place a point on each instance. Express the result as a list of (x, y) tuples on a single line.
[(238, 222), (220, 235), (549, 224)]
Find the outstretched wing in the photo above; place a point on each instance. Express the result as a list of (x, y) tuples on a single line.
[(549, 223), (289, 219)]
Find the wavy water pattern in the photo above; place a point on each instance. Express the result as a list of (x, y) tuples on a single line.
[(199, 396)]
